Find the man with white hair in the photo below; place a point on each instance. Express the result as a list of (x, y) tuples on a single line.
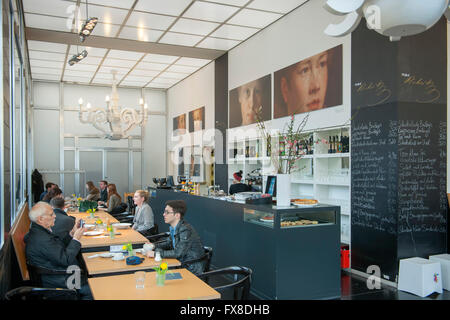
[(46, 250)]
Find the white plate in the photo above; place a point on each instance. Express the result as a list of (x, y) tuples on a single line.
[(106, 255), (305, 205), (121, 225), (93, 233), (89, 226)]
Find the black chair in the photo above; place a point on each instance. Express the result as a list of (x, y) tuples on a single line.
[(242, 283), (157, 238), (36, 272), (131, 205), (206, 257), (34, 293), (150, 232)]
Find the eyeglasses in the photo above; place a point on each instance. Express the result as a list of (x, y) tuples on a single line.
[(168, 212)]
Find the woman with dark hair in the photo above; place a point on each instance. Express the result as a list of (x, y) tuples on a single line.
[(93, 192), (237, 186), (54, 192), (114, 198)]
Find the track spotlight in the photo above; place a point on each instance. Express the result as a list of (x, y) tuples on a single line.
[(78, 57)]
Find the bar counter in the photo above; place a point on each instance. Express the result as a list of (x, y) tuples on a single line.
[(289, 260)]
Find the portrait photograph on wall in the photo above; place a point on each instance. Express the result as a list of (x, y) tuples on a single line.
[(246, 100), (179, 125), (197, 119), (311, 84)]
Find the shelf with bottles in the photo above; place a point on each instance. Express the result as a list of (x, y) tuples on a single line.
[(332, 141)]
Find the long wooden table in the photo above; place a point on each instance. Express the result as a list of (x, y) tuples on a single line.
[(104, 241), (104, 266), (123, 287)]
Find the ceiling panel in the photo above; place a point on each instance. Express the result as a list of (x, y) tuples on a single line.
[(46, 63), (158, 86), (105, 30), (81, 66), (144, 73), (254, 18), (172, 7), (159, 58), (125, 4), (239, 3), (192, 62), (164, 81), (210, 11), (148, 20), (47, 23), (137, 78), (76, 73), (234, 32), (151, 66), (202, 28), (90, 60), (173, 75), (140, 34), (127, 55), (139, 84), (120, 71), (42, 55), (46, 70), (284, 6), (76, 79), (104, 14), (180, 39), (98, 80), (182, 69), (49, 7), (47, 46), (219, 44), (118, 63), (92, 52), (45, 76)]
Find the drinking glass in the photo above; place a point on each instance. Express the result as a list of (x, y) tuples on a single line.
[(140, 279)]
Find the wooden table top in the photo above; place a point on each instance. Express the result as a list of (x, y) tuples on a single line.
[(103, 215), (99, 265), (123, 287), (103, 240)]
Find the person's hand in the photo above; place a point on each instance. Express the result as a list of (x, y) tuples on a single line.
[(79, 233), (150, 254), (75, 227)]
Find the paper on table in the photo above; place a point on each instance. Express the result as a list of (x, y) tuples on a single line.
[(93, 256)]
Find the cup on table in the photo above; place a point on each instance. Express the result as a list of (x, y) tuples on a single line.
[(140, 279), (146, 248), (118, 256)]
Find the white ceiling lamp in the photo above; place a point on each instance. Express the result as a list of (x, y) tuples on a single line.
[(113, 121), (391, 18)]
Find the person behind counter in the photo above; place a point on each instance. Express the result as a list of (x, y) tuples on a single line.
[(237, 186)]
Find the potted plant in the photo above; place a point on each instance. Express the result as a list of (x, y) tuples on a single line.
[(161, 274)]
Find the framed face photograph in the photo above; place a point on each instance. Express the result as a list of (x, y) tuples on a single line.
[(246, 100), (197, 119), (311, 84), (179, 125)]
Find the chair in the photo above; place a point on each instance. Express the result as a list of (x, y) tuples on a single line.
[(33, 293), (242, 284), (36, 273), (130, 203), (150, 232), (206, 257)]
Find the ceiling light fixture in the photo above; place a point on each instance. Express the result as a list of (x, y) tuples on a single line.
[(88, 26), (78, 57), (119, 120)]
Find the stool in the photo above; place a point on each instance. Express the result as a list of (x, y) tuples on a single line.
[(419, 276), (444, 260)]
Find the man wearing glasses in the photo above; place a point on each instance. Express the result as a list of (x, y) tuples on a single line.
[(183, 243)]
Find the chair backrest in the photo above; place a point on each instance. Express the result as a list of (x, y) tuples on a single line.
[(130, 204), (206, 257), (19, 229), (208, 253), (33, 293), (239, 284)]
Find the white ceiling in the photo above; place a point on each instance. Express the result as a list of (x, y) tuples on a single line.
[(214, 24)]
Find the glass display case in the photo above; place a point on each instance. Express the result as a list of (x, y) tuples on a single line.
[(263, 218)]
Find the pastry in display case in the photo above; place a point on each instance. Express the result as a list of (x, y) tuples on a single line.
[(262, 218)]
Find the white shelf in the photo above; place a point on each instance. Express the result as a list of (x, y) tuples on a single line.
[(332, 155), (302, 181), (328, 183)]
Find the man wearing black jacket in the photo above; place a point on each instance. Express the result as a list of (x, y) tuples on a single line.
[(45, 249), (63, 223), (183, 243)]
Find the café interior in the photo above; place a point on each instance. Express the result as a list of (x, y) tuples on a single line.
[(224, 150)]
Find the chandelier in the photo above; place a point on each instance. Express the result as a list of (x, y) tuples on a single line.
[(113, 121)]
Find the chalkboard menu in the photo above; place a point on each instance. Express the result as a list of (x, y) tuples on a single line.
[(398, 146)]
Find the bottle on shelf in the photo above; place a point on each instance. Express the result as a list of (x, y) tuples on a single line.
[(340, 145), (330, 149), (282, 147), (257, 149), (311, 144), (334, 145)]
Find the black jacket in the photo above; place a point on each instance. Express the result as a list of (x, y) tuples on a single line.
[(63, 225), (239, 187), (45, 249), (37, 185), (187, 246), (104, 195)]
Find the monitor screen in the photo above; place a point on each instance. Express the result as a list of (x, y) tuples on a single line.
[(271, 186)]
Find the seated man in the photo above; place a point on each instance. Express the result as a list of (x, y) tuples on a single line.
[(48, 186), (45, 249), (184, 243), (103, 191), (63, 223)]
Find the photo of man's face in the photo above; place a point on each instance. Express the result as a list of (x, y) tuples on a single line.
[(311, 84), (248, 99), (197, 119), (305, 87), (179, 125)]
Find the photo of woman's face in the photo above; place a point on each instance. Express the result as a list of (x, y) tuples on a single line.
[(305, 87), (181, 122), (250, 99)]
